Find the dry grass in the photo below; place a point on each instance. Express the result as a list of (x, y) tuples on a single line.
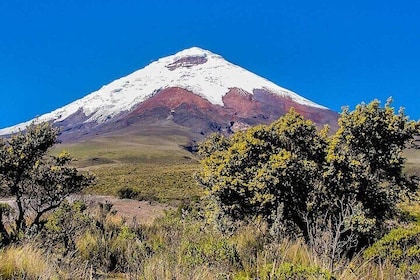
[(24, 262), (188, 249)]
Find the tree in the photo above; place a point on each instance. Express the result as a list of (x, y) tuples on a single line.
[(289, 173), (365, 162), (266, 171), (38, 182)]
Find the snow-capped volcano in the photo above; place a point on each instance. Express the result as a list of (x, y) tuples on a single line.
[(185, 76)]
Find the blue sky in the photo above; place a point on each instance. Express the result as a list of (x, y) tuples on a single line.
[(335, 53)]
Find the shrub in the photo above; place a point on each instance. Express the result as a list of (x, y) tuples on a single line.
[(38, 182), (266, 171), (401, 247), (64, 226), (365, 163), (290, 271), (289, 173), (127, 192)]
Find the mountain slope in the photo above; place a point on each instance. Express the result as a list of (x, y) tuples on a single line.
[(193, 88)]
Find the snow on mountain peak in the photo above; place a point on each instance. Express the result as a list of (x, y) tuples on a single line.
[(193, 51), (197, 70)]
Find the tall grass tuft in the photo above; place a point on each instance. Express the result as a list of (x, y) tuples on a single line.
[(25, 262)]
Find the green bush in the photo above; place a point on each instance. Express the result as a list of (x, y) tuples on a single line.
[(289, 172), (127, 192), (265, 171), (401, 246), (290, 271), (212, 252)]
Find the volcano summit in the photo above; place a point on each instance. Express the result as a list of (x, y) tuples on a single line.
[(194, 88)]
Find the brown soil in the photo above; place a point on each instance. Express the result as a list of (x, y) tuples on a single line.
[(143, 212)]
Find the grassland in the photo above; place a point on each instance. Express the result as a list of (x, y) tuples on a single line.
[(157, 167)]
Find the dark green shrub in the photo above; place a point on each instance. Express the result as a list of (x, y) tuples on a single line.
[(266, 171), (212, 252), (127, 192), (290, 271), (401, 245), (289, 172)]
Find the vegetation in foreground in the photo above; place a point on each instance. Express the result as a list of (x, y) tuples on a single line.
[(181, 246), (282, 202)]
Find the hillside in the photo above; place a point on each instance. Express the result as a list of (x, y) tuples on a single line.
[(155, 162)]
